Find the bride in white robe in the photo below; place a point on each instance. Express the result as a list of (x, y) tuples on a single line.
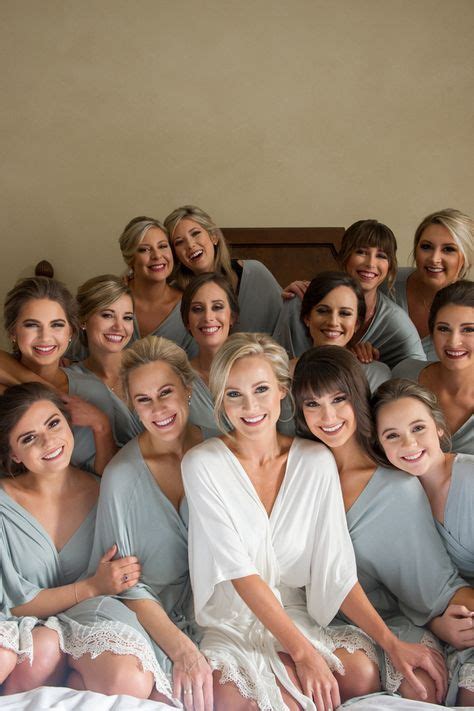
[(271, 559)]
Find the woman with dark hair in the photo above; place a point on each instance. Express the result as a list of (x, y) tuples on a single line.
[(199, 246), (47, 519), (401, 561), (368, 254), (413, 436), (40, 317), (209, 309), (146, 251), (443, 251), (332, 309), (451, 379)]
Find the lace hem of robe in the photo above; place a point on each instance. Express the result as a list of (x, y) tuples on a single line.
[(393, 677), (466, 677), (114, 637), (10, 636)]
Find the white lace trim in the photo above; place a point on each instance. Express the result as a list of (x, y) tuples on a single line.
[(9, 636), (393, 677), (112, 637), (466, 676), (266, 695), (352, 640)]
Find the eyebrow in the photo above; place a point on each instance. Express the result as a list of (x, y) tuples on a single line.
[(166, 385), (254, 385), (213, 301), (51, 417), (446, 323), (443, 244)]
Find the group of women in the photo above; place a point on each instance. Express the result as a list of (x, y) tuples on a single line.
[(165, 534)]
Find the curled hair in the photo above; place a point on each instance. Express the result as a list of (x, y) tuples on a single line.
[(32, 288), (152, 349), (242, 345), (14, 403), (393, 390), (459, 293), (99, 293), (133, 234), (323, 284), (370, 233), (327, 369), (459, 226), (197, 282), (222, 262)]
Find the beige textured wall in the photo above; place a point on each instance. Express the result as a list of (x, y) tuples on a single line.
[(264, 112)]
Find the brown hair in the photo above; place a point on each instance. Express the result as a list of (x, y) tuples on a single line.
[(370, 233), (323, 284), (32, 288), (324, 369), (459, 293), (14, 403), (393, 390), (99, 293), (207, 278)]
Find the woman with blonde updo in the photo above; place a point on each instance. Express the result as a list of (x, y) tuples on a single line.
[(146, 250), (199, 246), (443, 251)]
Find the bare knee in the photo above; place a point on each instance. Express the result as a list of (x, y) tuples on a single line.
[(7, 663), (465, 697), (227, 696), (48, 666), (114, 674), (407, 691), (361, 674)]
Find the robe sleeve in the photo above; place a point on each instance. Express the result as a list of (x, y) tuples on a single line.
[(217, 552), (289, 331), (118, 491), (333, 567), (15, 588)]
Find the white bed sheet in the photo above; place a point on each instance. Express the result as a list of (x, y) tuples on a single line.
[(63, 699)]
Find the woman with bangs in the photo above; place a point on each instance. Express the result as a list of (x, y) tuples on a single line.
[(199, 246), (146, 250), (387, 514), (40, 317), (443, 249), (451, 377), (368, 255)]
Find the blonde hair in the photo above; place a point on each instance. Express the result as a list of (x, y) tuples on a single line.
[(242, 345), (222, 261), (98, 293), (393, 390), (459, 226), (133, 234), (152, 349)]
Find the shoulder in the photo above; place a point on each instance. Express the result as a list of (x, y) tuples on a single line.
[(254, 268), (402, 275), (387, 307), (124, 468), (409, 368), (403, 490), (314, 458), (463, 471), (203, 455)]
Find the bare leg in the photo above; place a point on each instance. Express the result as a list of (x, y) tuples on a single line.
[(114, 674), (75, 681), (227, 696), (361, 675), (48, 668), (156, 696), (7, 663), (465, 698), (407, 691)]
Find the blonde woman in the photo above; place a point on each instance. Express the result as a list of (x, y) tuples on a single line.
[(199, 246), (146, 251)]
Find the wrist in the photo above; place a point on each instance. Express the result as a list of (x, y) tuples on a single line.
[(102, 426), (181, 647), (86, 589), (301, 651)]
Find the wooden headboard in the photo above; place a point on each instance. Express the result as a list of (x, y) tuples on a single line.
[(289, 252)]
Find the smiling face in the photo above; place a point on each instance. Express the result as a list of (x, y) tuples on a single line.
[(153, 260), (111, 328), (453, 336), (160, 399), (438, 258), (42, 440), (330, 418), (409, 436), (42, 333), (194, 246), (210, 317), (369, 265), (252, 397), (333, 320)]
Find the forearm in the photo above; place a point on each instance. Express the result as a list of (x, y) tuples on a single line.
[(463, 596), (156, 622), (53, 600), (358, 608), (260, 599)]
